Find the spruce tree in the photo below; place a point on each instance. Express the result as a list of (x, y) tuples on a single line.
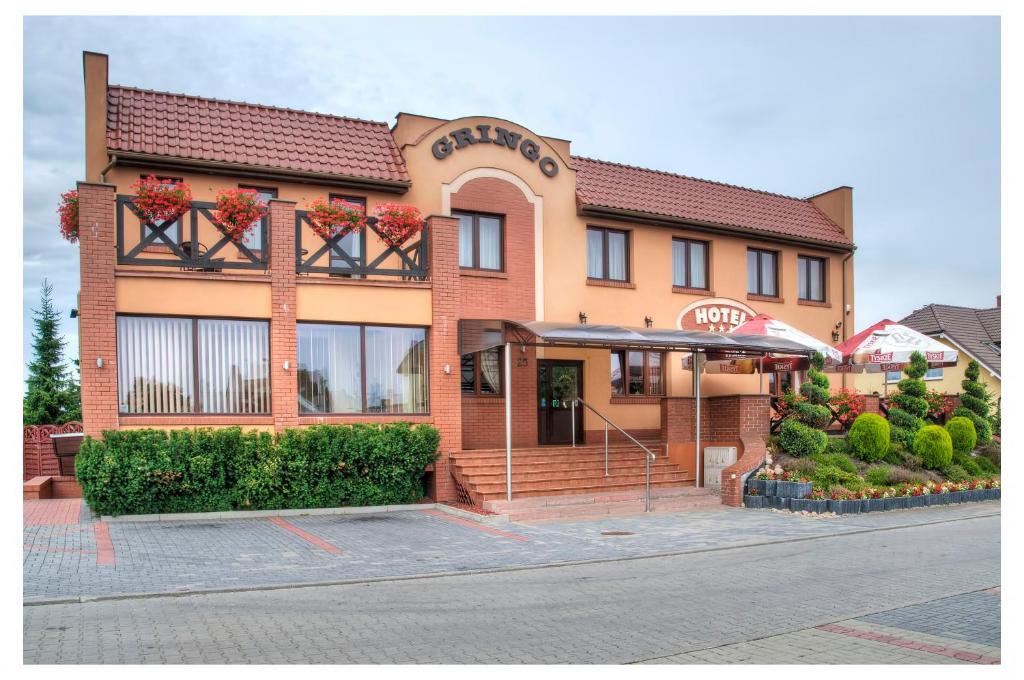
[(804, 433), (976, 403), (52, 397), (909, 407)]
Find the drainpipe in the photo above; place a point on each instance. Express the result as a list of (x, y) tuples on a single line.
[(107, 167), (508, 420), (696, 397), (843, 311)]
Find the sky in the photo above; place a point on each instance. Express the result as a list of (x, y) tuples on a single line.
[(903, 109)]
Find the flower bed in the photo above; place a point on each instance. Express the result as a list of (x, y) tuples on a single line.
[(764, 491)]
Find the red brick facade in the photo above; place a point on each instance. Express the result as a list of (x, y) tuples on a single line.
[(284, 394), (97, 251)]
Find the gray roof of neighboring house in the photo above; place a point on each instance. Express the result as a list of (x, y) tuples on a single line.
[(977, 331)]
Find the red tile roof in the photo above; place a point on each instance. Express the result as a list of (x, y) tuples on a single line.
[(977, 331), (624, 187), (196, 128)]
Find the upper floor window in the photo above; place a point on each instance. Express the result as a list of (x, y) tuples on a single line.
[(762, 272), (480, 239), (481, 372), (689, 263), (607, 254), (352, 243), (253, 239), (637, 373), (186, 365), (811, 278)]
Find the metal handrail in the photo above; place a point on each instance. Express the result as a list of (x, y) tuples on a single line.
[(648, 458)]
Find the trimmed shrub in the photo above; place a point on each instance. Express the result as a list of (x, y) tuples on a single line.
[(935, 447), (839, 460), (961, 431), (869, 437), (908, 406), (800, 440), (975, 399), (813, 415), (203, 470), (828, 476)]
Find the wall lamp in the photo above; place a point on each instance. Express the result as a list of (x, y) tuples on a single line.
[(74, 313), (583, 317), (648, 321)]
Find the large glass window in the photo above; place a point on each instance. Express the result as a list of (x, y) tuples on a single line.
[(329, 368), (762, 272), (636, 373), (346, 368), (481, 371), (689, 263), (607, 254), (480, 238), (253, 239), (181, 365), (811, 274)]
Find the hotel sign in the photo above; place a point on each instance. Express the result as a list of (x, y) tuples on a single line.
[(464, 137), (717, 315)]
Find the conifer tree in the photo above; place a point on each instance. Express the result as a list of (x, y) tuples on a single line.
[(906, 415), (52, 397), (976, 403)]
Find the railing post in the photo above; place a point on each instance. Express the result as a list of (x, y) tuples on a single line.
[(606, 449), (574, 422), (648, 504)]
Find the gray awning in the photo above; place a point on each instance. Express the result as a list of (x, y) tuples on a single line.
[(480, 334)]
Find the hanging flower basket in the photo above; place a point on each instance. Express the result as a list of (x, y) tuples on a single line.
[(68, 212), (238, 211), (337, 216), (161, 200), (397, 223)]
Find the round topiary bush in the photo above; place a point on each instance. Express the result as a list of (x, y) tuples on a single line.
[(961, 431), (800, 440), (935, 447), (869, 437)]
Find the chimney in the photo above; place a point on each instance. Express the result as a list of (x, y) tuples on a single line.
[(837, 204), (999, 301), (94, 67)]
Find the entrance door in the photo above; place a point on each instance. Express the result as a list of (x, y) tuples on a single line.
[(558, 383)]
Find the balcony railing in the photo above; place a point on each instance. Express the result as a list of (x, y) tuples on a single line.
[(193, 242), (317, 255)]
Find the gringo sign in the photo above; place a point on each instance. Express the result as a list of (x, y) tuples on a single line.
[(717, 315), (463, 137)]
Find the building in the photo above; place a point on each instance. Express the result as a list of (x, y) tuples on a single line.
[(974, 333), (181, 327)]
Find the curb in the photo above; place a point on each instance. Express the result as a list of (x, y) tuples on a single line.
[(259, 514), (475, 572)]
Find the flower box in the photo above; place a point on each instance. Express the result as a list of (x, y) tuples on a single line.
[(956, 496), (873, 505), (933, 499), (756, 485), (753, 502), (945, 498), (996, 494), (817, 506), (770, 487), (790, 489), (901, 502), (917, 501)]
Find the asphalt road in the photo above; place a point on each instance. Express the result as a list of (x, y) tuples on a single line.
[(642, 610)]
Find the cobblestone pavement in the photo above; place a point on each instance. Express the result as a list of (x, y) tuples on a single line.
[(69, 554), (854, 597)]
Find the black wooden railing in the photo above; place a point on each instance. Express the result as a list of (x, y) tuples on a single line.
[(777, 415), (186, 249), (411, 259)]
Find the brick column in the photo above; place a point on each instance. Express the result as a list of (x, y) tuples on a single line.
[(871, 404), (752, 413), (445, 392), (283, 383), (96, 325)]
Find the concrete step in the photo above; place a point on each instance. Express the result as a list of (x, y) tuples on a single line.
[(573, 457), (537, 471), (499, 493), (472, 454), (569, 482)]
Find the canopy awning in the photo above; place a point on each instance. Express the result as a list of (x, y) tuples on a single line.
[(480, 334)]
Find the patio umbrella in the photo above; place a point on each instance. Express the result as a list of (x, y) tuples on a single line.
[(887, 346)]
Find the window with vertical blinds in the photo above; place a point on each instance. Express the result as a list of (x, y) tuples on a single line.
[(173, 365)]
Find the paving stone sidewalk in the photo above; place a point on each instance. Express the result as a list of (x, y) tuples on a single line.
[(69, 554)]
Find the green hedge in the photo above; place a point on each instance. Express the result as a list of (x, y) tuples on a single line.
[(799, 440), (204, 470)]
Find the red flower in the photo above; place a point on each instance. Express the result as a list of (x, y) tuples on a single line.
[(68, 211), (161, 200), (848, 404), (238, 211), (396, 223), (337, 216)]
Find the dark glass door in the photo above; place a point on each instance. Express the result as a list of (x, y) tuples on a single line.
[(558, 383)]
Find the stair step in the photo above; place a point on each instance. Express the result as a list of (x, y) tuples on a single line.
[(526, 493), (546, 469), (567, 473), (620, 456)]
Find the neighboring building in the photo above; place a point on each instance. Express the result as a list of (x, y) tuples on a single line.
[(974, 333), (184, 328)]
